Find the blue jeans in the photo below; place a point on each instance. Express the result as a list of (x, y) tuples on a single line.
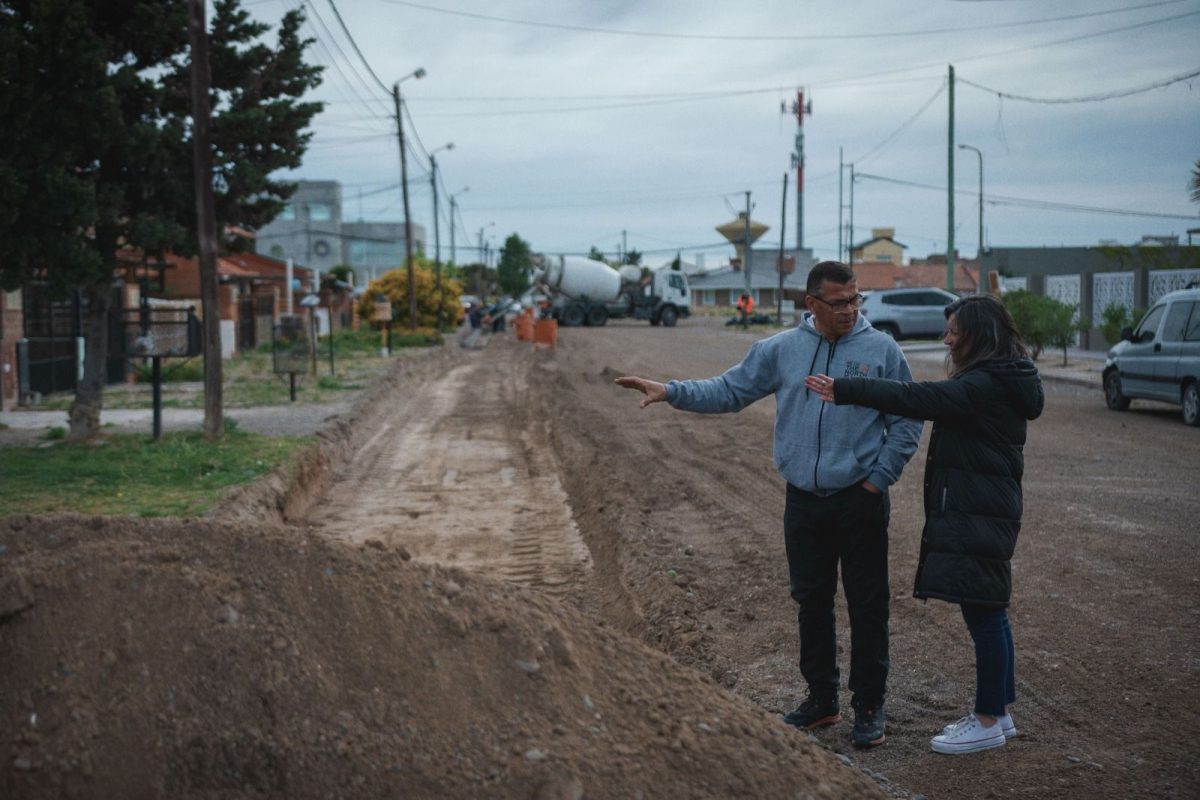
[(995, 681)]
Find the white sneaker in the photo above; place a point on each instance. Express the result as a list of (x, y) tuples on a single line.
[(1006, 725), (968, 735)]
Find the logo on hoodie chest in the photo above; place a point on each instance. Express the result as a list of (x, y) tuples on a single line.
[(854, 369)]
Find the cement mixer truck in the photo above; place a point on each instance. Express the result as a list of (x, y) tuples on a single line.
[(583, 291)]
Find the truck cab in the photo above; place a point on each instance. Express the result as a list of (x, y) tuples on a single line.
[(664, 298)]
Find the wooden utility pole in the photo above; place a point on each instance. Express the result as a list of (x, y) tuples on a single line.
[(206, 225)]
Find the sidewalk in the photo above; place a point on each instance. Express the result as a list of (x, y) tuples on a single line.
[(297, 420), (1083, 368)]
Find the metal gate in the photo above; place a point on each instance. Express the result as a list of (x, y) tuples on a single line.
[(49, 353)]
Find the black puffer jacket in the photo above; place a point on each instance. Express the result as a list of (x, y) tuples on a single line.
[(972, 472)]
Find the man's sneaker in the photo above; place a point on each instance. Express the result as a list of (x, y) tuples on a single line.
[(1007, 726), (869, 726), (968, 735), (814, 713)]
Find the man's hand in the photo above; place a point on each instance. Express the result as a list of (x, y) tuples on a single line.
[(654, 391), (869, 487)]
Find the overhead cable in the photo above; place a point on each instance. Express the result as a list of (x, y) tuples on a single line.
[(354, 44), (1049, 205), (772, 37), (1091, 98)]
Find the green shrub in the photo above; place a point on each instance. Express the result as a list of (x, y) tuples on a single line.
[(1044, 322), (172, 371), (57, 432)]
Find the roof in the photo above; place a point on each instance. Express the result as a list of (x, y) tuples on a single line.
[(875, 275), (734, 279), (874, 239)]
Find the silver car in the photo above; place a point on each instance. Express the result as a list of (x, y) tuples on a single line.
[(1160, 359), (908, 312)]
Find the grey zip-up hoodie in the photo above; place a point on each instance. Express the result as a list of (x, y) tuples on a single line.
[(819, 447)]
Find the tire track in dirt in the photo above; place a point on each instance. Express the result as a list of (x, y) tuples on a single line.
[(462, 478)]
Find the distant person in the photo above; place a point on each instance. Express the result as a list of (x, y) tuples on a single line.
[(838, 463), (745, 307), (972, 492), (475, 317)]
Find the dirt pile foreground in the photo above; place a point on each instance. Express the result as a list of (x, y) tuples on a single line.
[(160, 658)]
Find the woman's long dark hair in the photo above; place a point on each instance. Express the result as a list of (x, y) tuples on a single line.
[(986, 332)]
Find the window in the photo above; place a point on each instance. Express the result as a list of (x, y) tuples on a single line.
[(320, 212), (1192, 334), (288, 212), (1177, 322), (1149, 326), (676, 282), (277, 251)]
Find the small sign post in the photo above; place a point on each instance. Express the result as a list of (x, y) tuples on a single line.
[(383, 315)]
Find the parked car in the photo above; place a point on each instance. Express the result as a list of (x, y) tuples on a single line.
[(1160, 359), (908, 312)]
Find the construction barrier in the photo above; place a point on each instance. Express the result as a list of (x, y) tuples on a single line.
[(524, 326), (545, 334)]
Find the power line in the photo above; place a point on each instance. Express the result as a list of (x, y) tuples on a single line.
[(341, 52), (333, 62), (1091, 98), (772, 37), (1048, 205), (902, 127), (354, 44)]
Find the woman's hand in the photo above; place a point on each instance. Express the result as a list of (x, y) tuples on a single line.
[(822, 385)]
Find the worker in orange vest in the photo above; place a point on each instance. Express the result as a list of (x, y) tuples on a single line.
[(745, 306)]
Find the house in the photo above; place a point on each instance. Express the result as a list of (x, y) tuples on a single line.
[(881, 247), (311, 230), (720, 287), (931, 273)]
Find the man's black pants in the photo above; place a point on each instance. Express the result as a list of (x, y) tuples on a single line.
[(850, 527)]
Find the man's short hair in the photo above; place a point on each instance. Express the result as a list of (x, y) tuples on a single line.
[(832, 271)]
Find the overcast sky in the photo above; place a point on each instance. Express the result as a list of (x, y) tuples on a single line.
[(576, 120)]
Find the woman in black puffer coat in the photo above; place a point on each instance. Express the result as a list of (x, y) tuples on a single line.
[(972, 492)]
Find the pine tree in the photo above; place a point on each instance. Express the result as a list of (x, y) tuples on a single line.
[(95, 152)]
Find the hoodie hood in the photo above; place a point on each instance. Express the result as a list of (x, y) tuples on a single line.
[(1021, 381)]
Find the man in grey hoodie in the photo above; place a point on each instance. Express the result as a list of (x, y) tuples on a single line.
[(838, 462)]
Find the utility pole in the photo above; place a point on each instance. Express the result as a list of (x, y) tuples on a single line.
[(950, 191), (408, 256), (624, 247), (746, 250), (841, 205), (800, 109), (437, 242), (782, 232), (206, 224), (979, 254), (850, 236)]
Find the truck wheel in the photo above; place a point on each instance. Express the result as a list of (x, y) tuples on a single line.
[(1191, 404), (572, 316), (597, 316), (668, 317), (1113, 397)]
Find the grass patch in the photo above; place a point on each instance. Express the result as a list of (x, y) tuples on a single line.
[(182, 475)]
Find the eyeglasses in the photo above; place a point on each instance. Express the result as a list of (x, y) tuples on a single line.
[(842, 305)]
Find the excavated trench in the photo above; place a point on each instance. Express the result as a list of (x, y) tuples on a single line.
[(455, 469)]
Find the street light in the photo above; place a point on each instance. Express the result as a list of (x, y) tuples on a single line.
[(978, 152), (418, 73), (437, 243)]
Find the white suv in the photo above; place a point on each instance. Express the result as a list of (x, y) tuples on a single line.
[(908, 312)]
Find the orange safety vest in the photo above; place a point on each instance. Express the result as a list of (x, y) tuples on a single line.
[(745, 303)]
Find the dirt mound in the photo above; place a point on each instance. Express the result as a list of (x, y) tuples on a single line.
[(160, 658)]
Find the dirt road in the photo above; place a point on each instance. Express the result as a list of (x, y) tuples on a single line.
[(1107, 575), (681, 517), (357, 653)]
